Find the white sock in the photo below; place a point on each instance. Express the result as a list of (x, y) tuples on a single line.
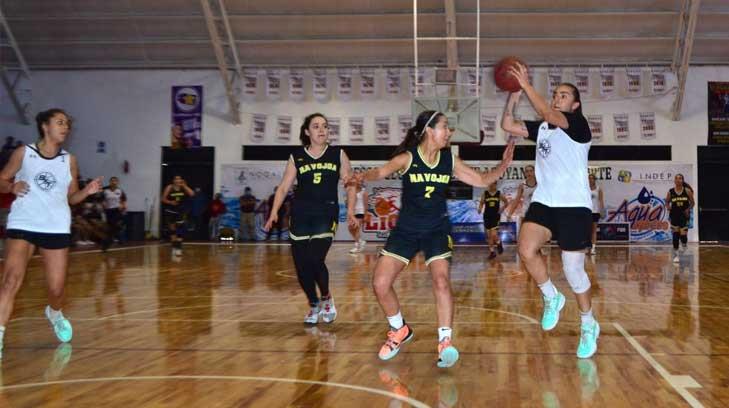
[(548, 289), (52, 314), (587, 317), (396, 321), (444, 332)]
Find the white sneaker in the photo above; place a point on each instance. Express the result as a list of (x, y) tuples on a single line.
[(327, 310), (676, 259), (354, 249), (362, 244), (313, 316)]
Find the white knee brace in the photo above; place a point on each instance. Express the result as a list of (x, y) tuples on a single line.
[(574, 269)]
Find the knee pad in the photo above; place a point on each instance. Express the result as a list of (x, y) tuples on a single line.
[(574, 269)]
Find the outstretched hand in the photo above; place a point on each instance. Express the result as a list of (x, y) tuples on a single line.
[(271, 220), (508, 155), (94, 186)]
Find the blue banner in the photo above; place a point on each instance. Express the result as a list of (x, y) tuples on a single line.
[(187, 103)]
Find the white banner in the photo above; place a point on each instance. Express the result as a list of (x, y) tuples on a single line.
[(554, 78), (344, 84), (647, 125), (367, 83), (607, 82), (582, 80), (334, 132), (595, 122), (296, 85), (250, 83), (258, 128), (622, 131), (404, 123), (382, 129), (273, 84), (633, 77), (356, 130), (471, 78), (283, 129), (488, 126), (320, 85), (658, 80), (416, 82), (393, 81)]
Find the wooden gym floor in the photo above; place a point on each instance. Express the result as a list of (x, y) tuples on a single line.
[(222, 326)]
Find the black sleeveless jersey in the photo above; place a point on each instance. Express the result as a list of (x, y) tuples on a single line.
[(424, 189), (179, 197), (679, 202), (491, 203), (317, 181)]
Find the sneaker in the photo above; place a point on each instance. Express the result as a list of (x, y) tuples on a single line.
[(552, 307), (61, 326), (447, 354), (362, 244), (588, 339), (500, 248), (395, 339), (355, 248), (313, 316), (492, 255), (327, 310), (676, 259)]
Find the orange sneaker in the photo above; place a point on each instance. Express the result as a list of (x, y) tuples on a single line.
[(447, 354), (395, 338)]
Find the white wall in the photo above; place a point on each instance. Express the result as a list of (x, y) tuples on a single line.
[(130, 111)]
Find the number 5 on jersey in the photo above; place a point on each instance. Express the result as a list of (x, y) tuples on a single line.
[(428, 191), (317, 178)]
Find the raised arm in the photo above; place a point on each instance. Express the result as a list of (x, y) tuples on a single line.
[(508, 123), (540, 105)]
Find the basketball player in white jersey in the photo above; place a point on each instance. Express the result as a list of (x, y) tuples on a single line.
[(360, 208), (525, 192), (43, 176), (561, 207)]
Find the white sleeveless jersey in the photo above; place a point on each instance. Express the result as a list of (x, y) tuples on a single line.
[(561, 169), (45, 208), (359, 205), (595, 196), (527, 193)]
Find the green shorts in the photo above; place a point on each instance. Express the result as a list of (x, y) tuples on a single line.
[(404, 245), (312, 227)]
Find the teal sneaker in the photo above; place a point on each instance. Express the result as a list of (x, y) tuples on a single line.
[(588, 340), (552, 307), (447, 354), (61, 326)]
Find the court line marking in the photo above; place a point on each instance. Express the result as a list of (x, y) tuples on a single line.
[(413, 402), (680, 383), (267, 321)]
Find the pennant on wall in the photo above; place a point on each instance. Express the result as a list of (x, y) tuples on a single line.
[(321, 85), (393, 81), (250, 83), (471, 78), (258, 128), (284, 128), (554, 77), (404, 123), (488, 126), (367, 82), (273, 84), (344, 84), (356, 130), (333, 130), (647, 125), (296, 85), (607, 81), (595, 122), (622, 133), (582, 80), (633, 77), (382, 129), (658, 80), (417, 86)]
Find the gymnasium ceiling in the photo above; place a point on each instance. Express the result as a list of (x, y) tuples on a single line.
[(132, 34)]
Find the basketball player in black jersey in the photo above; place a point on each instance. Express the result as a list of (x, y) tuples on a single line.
[(679, 202), (490, 206), (317, 168), (174, 197), (426, 165)]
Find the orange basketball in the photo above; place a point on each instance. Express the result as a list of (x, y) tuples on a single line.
[(503, 79)]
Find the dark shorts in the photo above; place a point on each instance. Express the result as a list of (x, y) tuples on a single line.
[(41, 239), (571, 227), (595, 217), (312, 226), (359, 216), (679, 221), (173, 217), (404, 245), (491, 223)]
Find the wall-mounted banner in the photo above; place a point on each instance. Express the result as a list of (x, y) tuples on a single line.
[(404, 123), (284, 129), (658, 80), (488, 126), (554, 78), (607, 82), (622, 131), (273, 84), (356, 130), (344, 84), (296, 85), (582, 80), (258, 128), (417, 87), (187, 110), (367, 82), (334, 133), (250, 84), (647, 125), (392, 79), (718, 113), (633, 76), (320, 85), (470, 77), (595, 122), (382, 129)]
